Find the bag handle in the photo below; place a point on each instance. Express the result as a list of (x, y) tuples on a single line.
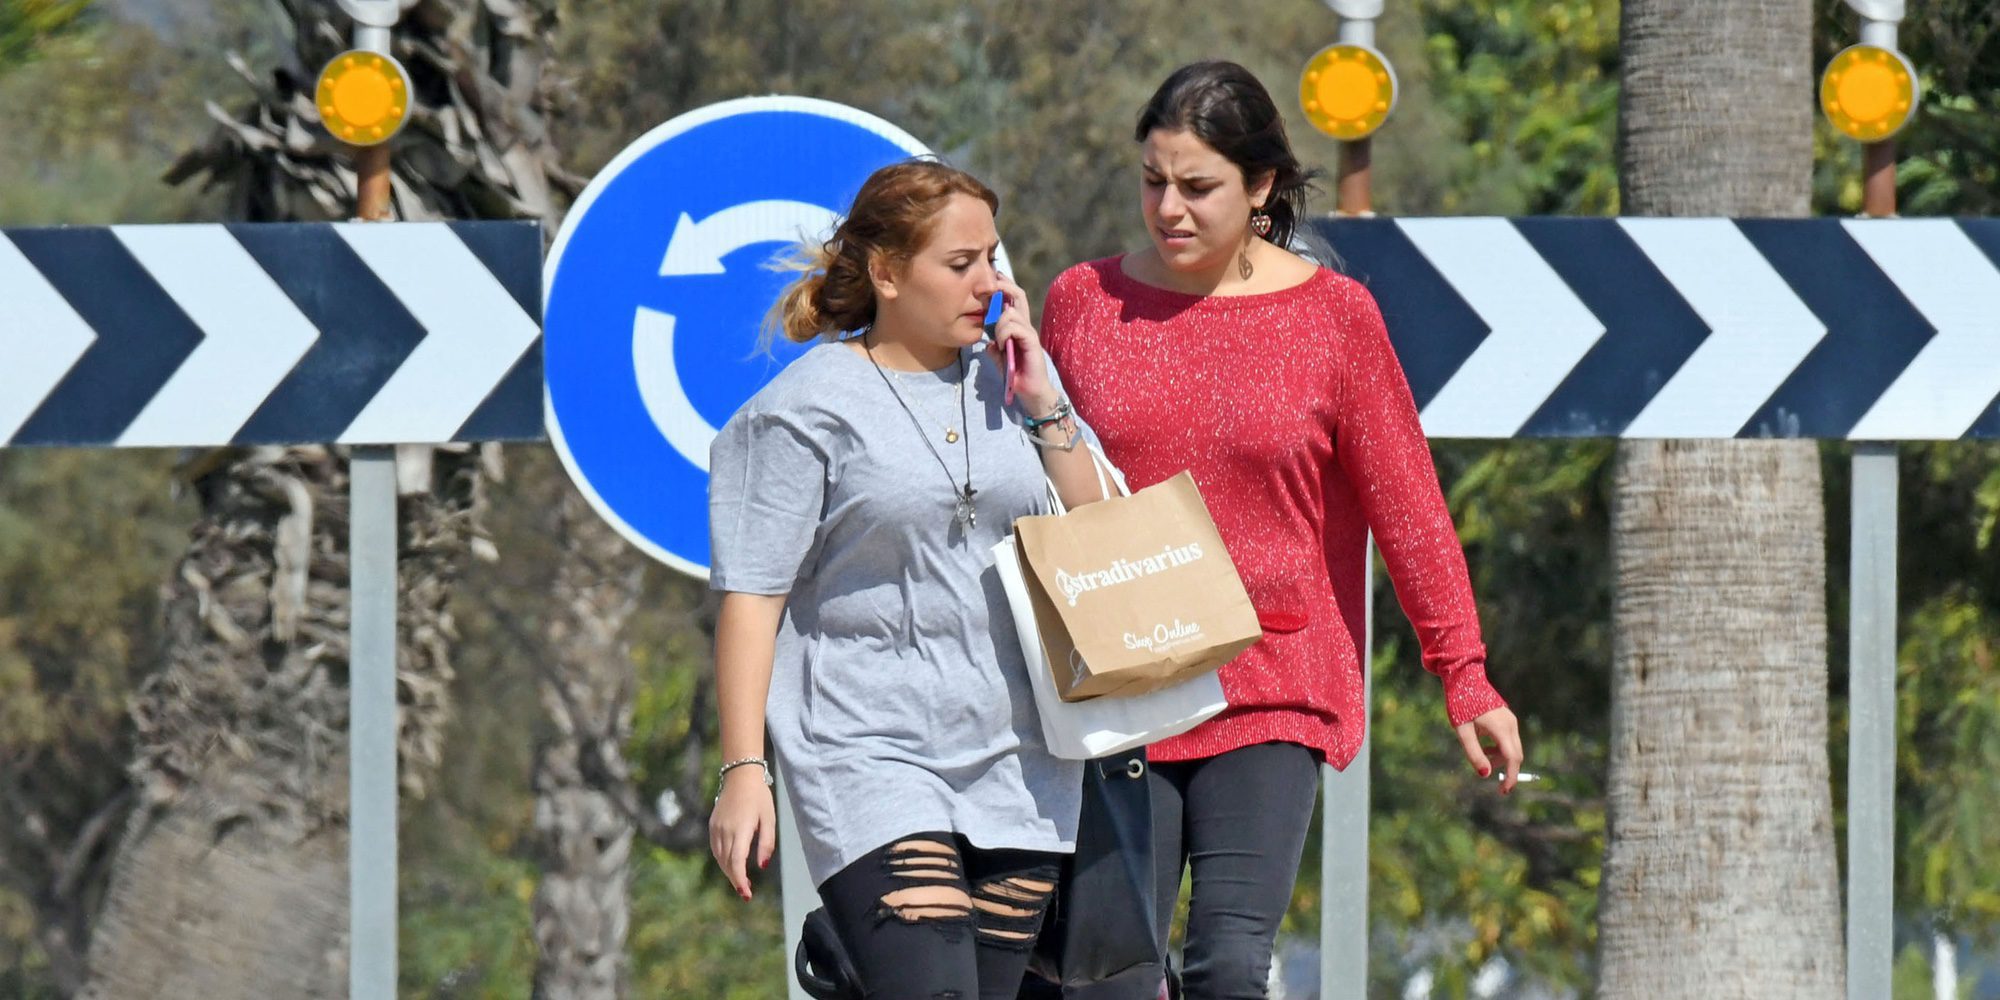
[(1108, 476)]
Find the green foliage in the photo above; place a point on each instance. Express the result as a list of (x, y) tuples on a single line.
[(93, 120), (464, 925), (1510, 108), (85, 538), (27, 25), (1948, 754), (691, 936), (1948, 693)]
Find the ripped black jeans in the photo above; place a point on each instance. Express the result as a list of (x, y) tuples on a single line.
[(931, 917)]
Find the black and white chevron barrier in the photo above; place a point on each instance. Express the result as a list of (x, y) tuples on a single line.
[(1536, 327), (1690, 328), (198, 335)]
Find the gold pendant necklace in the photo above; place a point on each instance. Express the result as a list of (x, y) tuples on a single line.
[(950, 432)]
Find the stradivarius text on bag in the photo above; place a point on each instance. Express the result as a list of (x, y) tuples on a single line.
[(1125, 570)]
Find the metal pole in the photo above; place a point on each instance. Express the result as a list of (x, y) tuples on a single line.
[(795, 887), (371, 673), (1878, 179), (1352, 194), (1878, 159), (1343, 844), (371, 667), (371, 726), (372, 188), (1343, 849), (1871, 733), (371, 163), (1871, 695)]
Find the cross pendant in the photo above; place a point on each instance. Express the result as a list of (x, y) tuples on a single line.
[(967, 514)]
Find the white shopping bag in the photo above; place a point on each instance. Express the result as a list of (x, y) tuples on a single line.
[(1082, 730)]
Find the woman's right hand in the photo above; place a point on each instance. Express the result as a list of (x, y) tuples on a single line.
[(745, 820)]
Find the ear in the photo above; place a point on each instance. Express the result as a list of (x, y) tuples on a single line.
[(1260, 192), (883, 276)]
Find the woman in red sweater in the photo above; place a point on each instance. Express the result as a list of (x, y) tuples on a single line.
[(1271, 378)]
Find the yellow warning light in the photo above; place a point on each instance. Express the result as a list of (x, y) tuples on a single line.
[(1869, 92), (1347, 91), (363, 97)]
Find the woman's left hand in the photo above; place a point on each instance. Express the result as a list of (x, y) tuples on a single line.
[(1033, 391), (1500, 727)]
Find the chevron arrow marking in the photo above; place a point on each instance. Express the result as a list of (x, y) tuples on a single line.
[(475, 332), (1951, 382), (41, 338), (255, 334), (1759, 330), (1540, 329)]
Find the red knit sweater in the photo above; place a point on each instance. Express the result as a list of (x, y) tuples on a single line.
[(1291, 411)]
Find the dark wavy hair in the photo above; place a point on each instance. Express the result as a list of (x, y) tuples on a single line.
[(1225, 106)]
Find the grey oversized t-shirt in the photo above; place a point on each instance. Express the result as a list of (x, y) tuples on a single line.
[(899, 698)]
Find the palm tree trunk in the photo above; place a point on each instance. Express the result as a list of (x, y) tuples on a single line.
[(231, 878), (1719, 878), (582, 908)]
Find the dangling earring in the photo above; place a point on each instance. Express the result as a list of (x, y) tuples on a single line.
[(1260, 223)]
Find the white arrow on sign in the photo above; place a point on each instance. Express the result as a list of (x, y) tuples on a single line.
[(1539, 328), (660, 387), (1759, 330), (41, 338), (1956, 376), (698, 247), (474, 332), (254, 334)]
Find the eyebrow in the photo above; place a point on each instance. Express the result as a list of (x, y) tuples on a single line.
[(1190, 178), (954, 251)]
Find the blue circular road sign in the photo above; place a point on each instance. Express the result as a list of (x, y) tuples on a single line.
[(656, 289)]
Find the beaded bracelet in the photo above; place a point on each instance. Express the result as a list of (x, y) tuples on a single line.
[(723, 771), (1062, 412)]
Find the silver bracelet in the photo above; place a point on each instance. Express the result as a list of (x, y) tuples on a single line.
[(728, 766), (1067, 445)]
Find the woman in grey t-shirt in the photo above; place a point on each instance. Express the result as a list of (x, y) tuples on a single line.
[(854, 505)]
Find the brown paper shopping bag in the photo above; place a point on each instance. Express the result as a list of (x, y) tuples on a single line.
[(1134, 593)]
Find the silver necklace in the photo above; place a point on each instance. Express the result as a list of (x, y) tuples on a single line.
[(964, 511)]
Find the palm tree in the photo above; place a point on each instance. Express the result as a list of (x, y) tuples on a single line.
[(581, 908), (1719, 879), (230, 880)]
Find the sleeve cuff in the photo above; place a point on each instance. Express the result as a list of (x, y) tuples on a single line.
[(1468, 695)]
